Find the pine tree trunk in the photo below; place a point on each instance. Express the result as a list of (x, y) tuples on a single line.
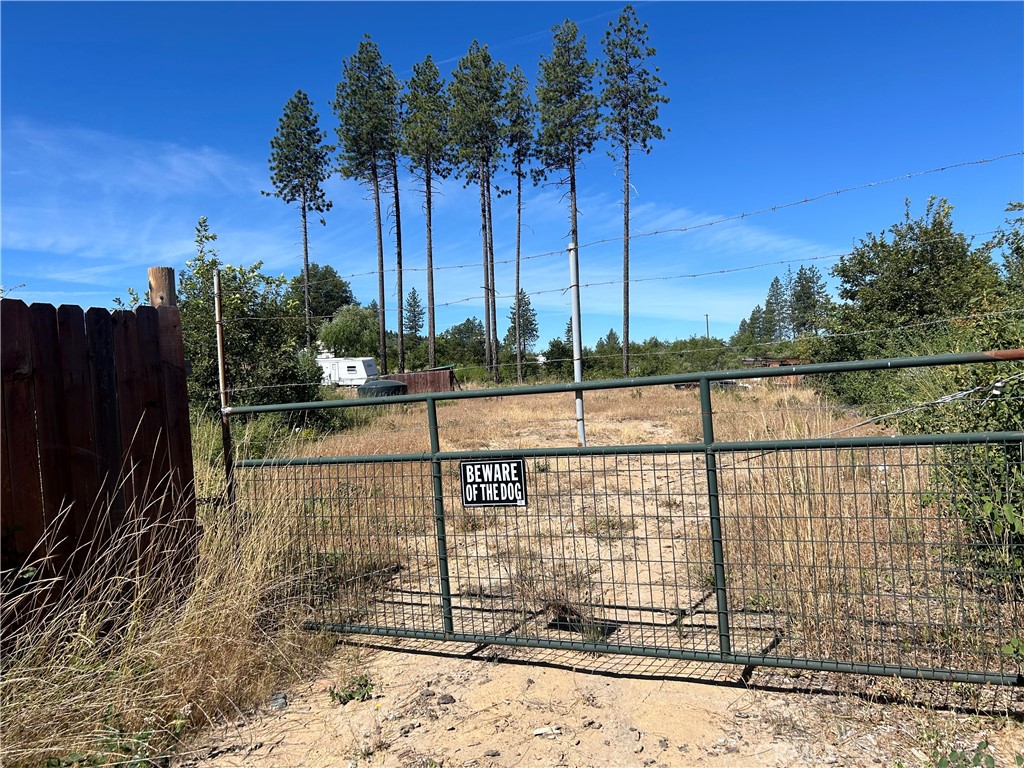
[(431, 362), (625, 262), (488, 352), (305, 272), (519, 309), (382, 337), (496, 373), (398, 264)]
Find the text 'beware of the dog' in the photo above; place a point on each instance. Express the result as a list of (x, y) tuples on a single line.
[(493, 483)]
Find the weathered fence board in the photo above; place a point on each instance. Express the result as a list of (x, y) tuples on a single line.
[(95, 424), (422, 382), (21, 460)]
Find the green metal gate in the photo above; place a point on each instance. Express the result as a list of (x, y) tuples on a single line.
[(847, 554)]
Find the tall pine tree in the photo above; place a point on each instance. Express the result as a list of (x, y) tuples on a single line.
[(568, 112), (366, 104), (425, 142), (299, 164), (519, 127), (630, 99), (476, 131)]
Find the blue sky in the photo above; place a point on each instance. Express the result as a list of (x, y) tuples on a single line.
[(123, 123)]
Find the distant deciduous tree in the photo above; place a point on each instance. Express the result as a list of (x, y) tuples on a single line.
[(327, 291), (299, 164), (463, 344), (351, 332), (265, 361)]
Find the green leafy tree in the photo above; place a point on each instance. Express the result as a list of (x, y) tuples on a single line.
[(463, 344), (413, 314), (523, 330), (558, 359), (352, 332), (1009, 243), (326, 290), (299, 165), (918, 271), (366, 103), (568, 112), (477, 138), (426, 144), (630, 97), (520, 117), (263, 358)]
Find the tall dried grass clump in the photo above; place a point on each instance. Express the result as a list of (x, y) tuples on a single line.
[(164, 628)]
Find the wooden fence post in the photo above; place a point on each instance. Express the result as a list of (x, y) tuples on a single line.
[(162, 291)]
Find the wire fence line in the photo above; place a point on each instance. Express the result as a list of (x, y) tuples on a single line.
[(715, 221), (662, 353), (619, 281)]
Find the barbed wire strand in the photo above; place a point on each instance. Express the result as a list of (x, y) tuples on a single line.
[(641, 354), (711, 223), (655, 278)]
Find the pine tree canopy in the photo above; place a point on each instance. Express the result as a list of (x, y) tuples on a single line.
[(565, 101), (476, 130), (425, 128), (299, 161), (630, 94), (367, 107)]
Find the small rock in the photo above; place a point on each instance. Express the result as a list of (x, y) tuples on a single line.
[(587, 722), (427, 692), (446, 698), (492, 753), (650, 761), (638, 749), (279, 701), (550, 730), (636, 734), (663, 743), (450, 728)]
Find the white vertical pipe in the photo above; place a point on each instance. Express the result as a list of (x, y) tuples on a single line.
[(577, 341)]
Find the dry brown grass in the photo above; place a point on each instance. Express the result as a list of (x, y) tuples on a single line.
[(114, 665)]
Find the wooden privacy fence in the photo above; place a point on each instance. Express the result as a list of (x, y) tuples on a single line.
[(95, 426), (432, 380)]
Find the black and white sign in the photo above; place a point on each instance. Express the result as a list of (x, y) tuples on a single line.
[(493, 483)]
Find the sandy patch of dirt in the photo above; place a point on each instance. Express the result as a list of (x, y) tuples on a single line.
[(434, 705)]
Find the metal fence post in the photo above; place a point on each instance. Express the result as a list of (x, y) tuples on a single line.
[(715, 515), (442, 538)]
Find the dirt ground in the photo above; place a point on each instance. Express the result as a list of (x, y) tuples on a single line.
[(436, 705)]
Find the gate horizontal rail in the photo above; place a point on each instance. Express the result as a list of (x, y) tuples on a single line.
[(868, 554), (880, 441)]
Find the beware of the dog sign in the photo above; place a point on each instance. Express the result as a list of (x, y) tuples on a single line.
[(493, 483)]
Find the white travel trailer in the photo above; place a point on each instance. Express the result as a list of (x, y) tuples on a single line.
[(347, 371)]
